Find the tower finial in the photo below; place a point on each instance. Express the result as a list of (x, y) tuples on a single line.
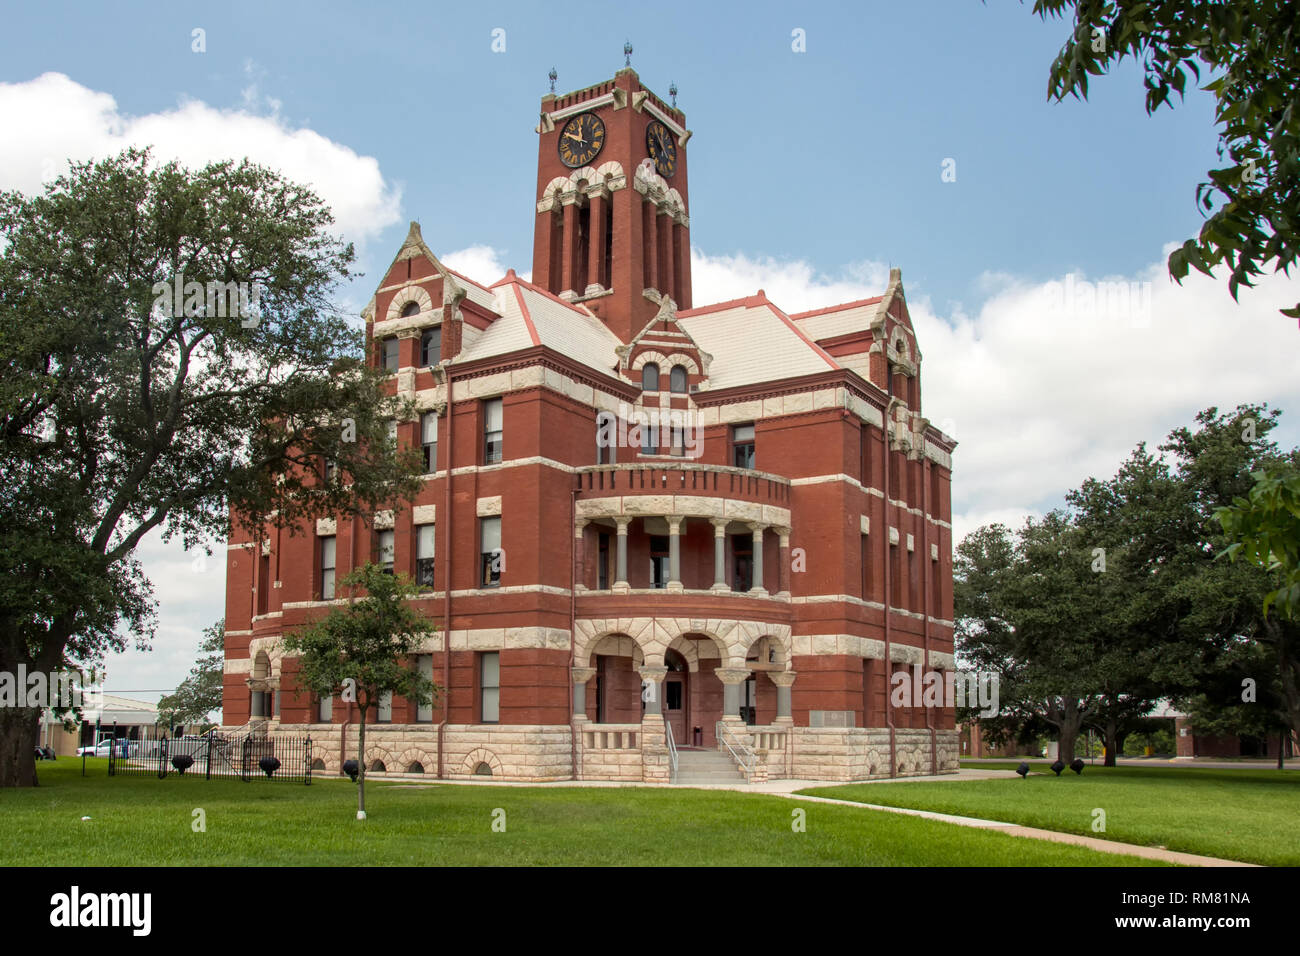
[(553, 76), (672, 91), (627, 53)]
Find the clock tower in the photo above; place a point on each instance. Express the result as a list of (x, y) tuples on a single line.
[(613, 227)]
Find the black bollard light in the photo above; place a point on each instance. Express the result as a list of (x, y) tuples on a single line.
[(269, 765), (182, 762), (1023, 770), (1077, 766), (1058, 766), (351, 768)]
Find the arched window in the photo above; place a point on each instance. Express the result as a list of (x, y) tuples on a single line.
[(411, 308), (677, 379), (650, 377)]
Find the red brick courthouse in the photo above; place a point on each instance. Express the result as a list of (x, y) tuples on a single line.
[(645, 524)]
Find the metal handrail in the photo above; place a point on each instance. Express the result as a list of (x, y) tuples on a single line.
[(672, 751), (746, 757)]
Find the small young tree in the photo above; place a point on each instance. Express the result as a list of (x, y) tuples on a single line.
[(200, 693), (365, 647)]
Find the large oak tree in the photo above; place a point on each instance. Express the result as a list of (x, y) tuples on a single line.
[(121, 414)]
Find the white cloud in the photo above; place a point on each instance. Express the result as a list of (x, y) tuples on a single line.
[(795, 286), (480, 263), (1047, 384), (53, 118)]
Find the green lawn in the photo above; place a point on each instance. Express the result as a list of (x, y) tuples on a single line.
[(1249, 815), (146, 821)]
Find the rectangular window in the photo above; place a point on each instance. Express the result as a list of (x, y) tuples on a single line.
[(384, 713), (492, 430), (424, 712), (650, 438), (326, 712), (658, 561), (424, 538), (742, 446), (493, 559), (429, 441), (602, 562), (489, 687), (385, 544), (327, 568), (430, 346), (390, 354), (742, 554), (330, 470), (392, 432)]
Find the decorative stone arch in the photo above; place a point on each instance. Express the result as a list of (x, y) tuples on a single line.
[(664, 361), (613, 645), (656, 190), (378, 752), (406, 295), (690, 649), (481, 756), (771, 642), (321, 763), (412, 755), (261, 666)]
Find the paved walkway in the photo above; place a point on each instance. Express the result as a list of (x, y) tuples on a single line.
[(788, 788)]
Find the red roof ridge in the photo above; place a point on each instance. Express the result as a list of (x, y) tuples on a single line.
[(843, 306)]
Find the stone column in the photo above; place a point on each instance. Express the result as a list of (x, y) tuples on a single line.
[(719, 554), (783, 680), (620, 564), (652, 692), (732, 678), (596, 248), (783, 569), (655, 763), (580, 677), (569, 281), (675, 554), (758, 590)]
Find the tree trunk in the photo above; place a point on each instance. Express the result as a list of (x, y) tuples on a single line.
[(1111, 734), (19, 733), (1070, 723), (1281, 749)]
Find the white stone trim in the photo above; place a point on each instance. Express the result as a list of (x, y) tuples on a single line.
[(383, 520), (424, 514), (489, 506), (326, 527)]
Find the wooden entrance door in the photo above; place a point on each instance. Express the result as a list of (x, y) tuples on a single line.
[(675, 705)]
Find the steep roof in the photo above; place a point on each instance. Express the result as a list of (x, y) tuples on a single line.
[(752, 341), (531, 316)]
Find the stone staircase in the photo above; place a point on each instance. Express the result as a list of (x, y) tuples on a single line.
[(707, 766)]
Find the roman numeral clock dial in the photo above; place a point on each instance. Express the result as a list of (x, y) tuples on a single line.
[(663, 150), (581, 139)]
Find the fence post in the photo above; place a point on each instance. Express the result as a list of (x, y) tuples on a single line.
[(112, 751), (207, 764), (162, 754), (307, 761)]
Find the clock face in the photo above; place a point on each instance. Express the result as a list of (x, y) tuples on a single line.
[(581, 140), (663, 149)]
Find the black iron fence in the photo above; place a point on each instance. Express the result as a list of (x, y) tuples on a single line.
[(269, 755)]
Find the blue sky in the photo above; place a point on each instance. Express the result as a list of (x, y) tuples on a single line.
[(833, 154), (810, 174)]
